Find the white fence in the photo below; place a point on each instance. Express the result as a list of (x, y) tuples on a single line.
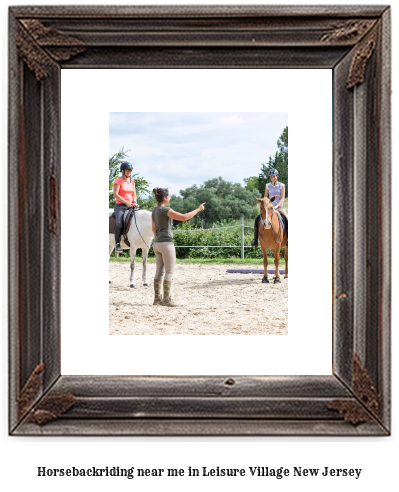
[(241, 226), (241, 246)]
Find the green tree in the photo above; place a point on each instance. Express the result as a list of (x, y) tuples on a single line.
[(148, 202), (279, 161), (114, 163), (142, 185), (252, 183), (224, 201)]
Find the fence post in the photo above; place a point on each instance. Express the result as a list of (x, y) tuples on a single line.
[(242, 238)]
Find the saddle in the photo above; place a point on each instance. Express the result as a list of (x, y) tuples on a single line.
[(283, 220), (127, 218)]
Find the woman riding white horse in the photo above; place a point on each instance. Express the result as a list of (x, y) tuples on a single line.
[(125, 197), (140, 232)]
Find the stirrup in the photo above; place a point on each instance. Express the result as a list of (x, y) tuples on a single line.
[(118, 248), (254, 243)]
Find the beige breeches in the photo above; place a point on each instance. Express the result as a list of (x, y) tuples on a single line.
[(165, 255)]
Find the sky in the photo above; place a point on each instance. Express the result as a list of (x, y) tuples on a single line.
[(177, 150)]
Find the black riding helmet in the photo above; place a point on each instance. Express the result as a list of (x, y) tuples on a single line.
[(273, 172), (126, 166)]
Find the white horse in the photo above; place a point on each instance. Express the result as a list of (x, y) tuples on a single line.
[(140, 235)]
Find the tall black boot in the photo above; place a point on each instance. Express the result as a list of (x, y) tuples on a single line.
[(118, 248), (254, 242)]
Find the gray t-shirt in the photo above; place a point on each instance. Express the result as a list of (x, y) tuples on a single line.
[(275, 191), (163, 225)]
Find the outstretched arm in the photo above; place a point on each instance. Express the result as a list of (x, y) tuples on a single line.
[(189, 215)]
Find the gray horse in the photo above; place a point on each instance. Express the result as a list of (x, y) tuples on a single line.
[(140, 235)]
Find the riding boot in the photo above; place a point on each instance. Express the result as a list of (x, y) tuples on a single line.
[(118, 248), (167, 300), (157, 291), (254, 242)]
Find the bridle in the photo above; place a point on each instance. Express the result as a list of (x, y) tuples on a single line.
[(269, 222)]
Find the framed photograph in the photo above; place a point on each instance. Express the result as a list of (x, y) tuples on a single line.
[(199, 157), (353, 44)]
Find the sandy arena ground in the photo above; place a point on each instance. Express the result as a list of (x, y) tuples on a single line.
[(211, 302)]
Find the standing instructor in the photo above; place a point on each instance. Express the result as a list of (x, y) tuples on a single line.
[(163, 245)]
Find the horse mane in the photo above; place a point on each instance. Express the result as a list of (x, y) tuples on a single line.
[(264, 200)]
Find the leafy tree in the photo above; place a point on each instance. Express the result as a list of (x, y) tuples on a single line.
[(252, 183), (279, 161), (282, 144), (224, 201), (114, 164), (141, 184), (148, 202)]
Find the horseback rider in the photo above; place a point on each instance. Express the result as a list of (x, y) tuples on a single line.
[(163, 246), (277, 190), (125, 197)]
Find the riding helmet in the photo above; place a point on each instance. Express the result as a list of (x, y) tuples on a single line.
[(273, 172), (125, 166)]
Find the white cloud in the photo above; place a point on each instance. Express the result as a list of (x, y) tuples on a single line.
[(177, 150)]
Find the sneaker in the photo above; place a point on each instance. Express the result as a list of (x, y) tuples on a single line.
[(168, 302), (157, 300), (118, 248), (254, 243)]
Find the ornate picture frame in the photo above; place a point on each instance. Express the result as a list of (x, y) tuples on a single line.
[(352, 41)]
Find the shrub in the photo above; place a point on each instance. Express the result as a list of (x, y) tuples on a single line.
[(225, 233)]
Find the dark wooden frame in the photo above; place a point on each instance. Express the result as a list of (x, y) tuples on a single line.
[(353, 41)]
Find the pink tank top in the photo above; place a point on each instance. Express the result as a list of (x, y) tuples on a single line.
[(127, 190)]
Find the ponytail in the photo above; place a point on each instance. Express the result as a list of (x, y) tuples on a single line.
[(160, 194)]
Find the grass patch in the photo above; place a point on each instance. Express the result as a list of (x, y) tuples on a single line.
[(215, 261)]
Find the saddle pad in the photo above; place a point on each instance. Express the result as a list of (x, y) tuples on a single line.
[(283, 220), (269, 270), (126, 222), (112, 222)]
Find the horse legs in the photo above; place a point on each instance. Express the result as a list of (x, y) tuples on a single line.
[(111, 248), (132, 265), (145, 255), (265, 280), (277, 264), (286, 262)]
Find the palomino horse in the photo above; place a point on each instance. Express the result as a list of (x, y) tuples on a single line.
[(273, 236), (140, 235)]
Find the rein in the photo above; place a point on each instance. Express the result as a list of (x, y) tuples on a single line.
[(138, 230), (279, 228)]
